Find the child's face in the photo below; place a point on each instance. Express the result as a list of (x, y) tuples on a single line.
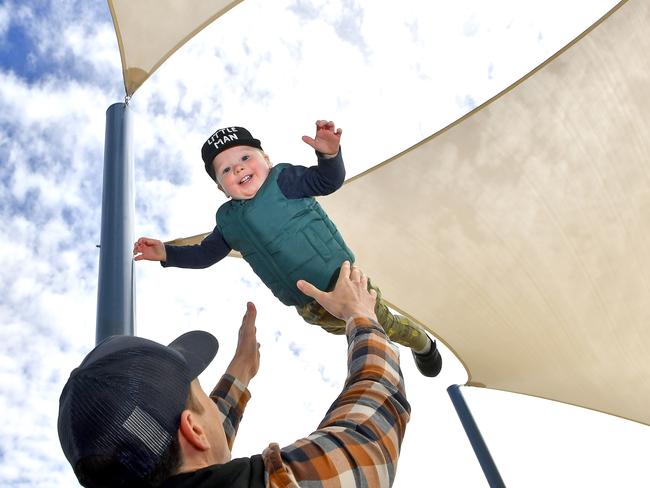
[(241, 171)]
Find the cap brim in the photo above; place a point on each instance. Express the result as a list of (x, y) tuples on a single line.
[(198, 348)]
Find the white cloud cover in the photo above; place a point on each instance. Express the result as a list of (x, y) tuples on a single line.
[(390, 74)]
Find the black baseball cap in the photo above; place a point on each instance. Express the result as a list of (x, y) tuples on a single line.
[(223, 139), (125, 399)]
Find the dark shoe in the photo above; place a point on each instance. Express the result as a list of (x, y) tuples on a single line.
[(430, 363)]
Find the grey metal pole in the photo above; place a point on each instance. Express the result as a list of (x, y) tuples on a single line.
[(115, 294), (475, 438)]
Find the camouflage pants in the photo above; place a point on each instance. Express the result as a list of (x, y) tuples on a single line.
[(397, 327)]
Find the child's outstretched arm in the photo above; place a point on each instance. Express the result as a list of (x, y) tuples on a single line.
[(327, 176), (327, 140), (211, 249), (149, 249)]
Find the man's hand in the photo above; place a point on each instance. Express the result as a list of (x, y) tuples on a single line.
[(349, 298), (246, 361), (149, 249), (327, 140)]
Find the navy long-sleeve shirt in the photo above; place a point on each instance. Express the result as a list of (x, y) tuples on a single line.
[(294, 182)]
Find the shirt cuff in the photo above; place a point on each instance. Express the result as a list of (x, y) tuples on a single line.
[(358, 319), (327, 156), (165, 264), (236, 383), (362, 322), (231, 390)]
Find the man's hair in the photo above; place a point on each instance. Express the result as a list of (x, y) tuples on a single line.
[(109, 472)]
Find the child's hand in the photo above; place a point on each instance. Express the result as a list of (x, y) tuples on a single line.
[(149, 249), (327, 138)]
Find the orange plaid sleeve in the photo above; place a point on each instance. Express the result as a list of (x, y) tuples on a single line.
[(358, 442), (231, 397)]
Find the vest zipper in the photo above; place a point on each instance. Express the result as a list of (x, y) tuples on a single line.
[(251, 237)]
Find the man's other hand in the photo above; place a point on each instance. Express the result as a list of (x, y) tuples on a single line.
[(349, 298), (246, 361)]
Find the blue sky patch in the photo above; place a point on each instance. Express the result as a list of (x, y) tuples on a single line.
[(18, 53), (15, 51)]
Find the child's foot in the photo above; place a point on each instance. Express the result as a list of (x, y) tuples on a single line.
[(428, 362)]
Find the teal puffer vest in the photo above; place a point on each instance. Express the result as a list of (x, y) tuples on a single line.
[(283, 239)]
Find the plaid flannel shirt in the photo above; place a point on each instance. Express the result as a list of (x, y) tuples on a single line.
[(358, 442)]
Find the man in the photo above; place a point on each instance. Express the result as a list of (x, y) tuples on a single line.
[(133, 413)]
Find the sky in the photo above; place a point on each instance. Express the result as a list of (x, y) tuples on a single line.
[(388, 73)]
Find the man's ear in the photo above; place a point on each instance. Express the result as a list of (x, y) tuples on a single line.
[(192, 431)]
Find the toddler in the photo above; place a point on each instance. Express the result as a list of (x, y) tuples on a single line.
[(274, 221)]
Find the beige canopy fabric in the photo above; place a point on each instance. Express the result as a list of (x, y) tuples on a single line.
[(149, 31), (520, 234)]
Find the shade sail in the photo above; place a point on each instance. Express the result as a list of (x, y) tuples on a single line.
[(149, 31), (520, 235)]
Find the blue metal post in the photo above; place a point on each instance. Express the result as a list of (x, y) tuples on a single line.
[(475, 438), (115, 295)]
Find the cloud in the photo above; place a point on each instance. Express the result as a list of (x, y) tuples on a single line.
[(48, 39), (274, 68), (51, 146)]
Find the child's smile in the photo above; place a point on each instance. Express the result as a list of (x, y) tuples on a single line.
[(241, 171)]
